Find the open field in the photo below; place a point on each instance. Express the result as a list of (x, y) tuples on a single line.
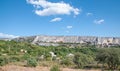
[(38, 68)]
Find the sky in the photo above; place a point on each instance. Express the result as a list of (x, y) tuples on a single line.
[(59, 17)]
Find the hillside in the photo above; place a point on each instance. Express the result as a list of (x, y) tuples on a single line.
[(71, 40)]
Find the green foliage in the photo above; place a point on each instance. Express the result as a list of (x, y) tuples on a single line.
[(55, 68), (66, 62), (47, 56), (81, 60), (31, 62), (85, 55), (109, 56), (14, 58), (3, 61), (25, 57)]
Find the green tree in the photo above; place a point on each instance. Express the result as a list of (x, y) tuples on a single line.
[(82, 60), (110, 56)]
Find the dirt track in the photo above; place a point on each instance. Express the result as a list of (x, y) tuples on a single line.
[(38, 68)]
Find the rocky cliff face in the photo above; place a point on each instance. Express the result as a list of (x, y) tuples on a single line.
[(58, 40)]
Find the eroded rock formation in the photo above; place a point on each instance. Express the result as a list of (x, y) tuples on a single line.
[(59, 40)]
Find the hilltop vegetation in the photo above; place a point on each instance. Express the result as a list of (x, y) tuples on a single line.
[(77, 57)]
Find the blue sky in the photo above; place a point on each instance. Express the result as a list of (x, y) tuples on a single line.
[(60, 17)]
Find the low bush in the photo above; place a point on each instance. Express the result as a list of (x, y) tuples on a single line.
[(14, 59), (31, 62), (81, 60), (66, 62), (55, 68), (3, 61)]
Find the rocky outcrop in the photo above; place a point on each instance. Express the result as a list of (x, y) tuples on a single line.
[(60, 40), (25, 39)]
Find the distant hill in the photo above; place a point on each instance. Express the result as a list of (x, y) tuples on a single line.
[(45, 40), (6, 39)]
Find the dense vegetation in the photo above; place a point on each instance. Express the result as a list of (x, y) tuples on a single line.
[(79, 57)]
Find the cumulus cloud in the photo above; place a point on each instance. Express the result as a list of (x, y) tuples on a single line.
[(2, 35), (99, 21), (89, 14), (46, 8), (69, 27), (56, 19)]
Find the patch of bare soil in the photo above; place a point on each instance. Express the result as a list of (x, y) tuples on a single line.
[(38, 68)]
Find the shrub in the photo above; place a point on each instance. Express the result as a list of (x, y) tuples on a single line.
[(81, 60), (3, 61), (110, 56), (48, 56), (31, 62), (66, 61), (14, 59), (25, 56), (55, 68)]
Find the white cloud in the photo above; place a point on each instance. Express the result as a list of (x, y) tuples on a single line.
[(2, 35), (99, 21), (46, 8), (69, 27), (67, 31), (89, 14), (56, 19)]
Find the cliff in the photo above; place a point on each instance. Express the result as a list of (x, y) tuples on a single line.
[(60, 40)]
